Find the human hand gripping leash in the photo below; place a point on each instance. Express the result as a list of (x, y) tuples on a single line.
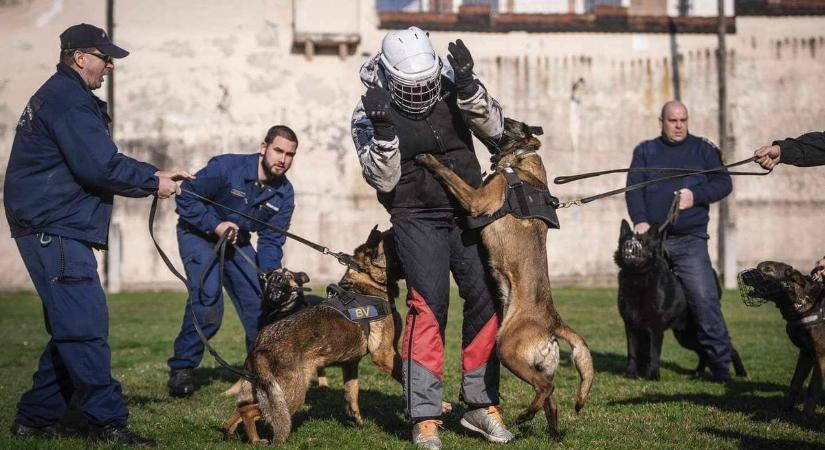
[(342, 257), (218, 253)]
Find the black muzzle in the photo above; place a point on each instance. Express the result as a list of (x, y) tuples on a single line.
[(755, 289), (633, 251)]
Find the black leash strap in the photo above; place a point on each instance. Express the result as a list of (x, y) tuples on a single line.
[(570, 178), (221, 243), (342, 257), (672, 215), (682, 174)]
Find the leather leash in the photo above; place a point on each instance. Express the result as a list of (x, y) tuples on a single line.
[(681, 173)]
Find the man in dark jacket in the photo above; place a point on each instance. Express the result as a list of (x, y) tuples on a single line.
[(805, 151), (256, 185), (687, 237), (63, 173), (417, 103)]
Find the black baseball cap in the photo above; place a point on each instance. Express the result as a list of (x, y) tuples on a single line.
[(85, 35)]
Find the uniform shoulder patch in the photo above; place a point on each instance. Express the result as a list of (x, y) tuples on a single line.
[(708, 141), (26, 119)]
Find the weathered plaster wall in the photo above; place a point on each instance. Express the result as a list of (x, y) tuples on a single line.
[(207, 78)]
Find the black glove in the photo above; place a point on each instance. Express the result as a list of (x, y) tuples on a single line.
[(377, 108), (462, 62)]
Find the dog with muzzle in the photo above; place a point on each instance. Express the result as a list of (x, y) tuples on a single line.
[(339, 331), (652, 301), (283, 295), (801, 301), (516, 238)]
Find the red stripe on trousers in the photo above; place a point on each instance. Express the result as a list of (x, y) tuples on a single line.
[(427, 347), (482, 346)]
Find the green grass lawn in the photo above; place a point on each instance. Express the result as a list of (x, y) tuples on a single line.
[(676, 412)]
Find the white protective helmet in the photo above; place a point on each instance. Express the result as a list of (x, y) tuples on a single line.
[(412, 69)]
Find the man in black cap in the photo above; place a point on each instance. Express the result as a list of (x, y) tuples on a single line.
[(63, 173)]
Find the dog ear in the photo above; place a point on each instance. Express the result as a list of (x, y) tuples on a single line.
[(301, 278), (374, 237), (625, 229)]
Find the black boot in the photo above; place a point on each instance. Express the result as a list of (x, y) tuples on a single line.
[(120, 435), (48, 431), (180, 383)]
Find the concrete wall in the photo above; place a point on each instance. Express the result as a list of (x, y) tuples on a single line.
[(206, 78)]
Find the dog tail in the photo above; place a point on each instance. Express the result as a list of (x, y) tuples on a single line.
[(272, 402), (581, 359)]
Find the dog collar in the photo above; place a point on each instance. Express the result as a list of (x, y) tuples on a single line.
[(813, 316)]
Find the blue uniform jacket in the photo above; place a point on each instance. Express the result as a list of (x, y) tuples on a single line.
[(64, 168), (232, 180), (651, 204)]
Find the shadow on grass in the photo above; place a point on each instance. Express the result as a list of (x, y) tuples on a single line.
[(747, 442), (204, 376), (739, 398), (615, 363), (385, 410)]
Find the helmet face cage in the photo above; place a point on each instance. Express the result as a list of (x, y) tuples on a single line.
[(415, 97)]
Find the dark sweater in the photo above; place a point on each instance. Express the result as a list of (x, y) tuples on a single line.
[(806, 150), (650, 204)]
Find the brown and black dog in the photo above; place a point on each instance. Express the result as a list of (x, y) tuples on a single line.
[(527, 340), (289, 351), (802, 305), (283, 295)]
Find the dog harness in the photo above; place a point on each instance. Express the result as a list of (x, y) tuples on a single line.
[(813, 316), (523, 201), (359, 308)]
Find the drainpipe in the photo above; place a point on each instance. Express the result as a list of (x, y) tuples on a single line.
[(727, 219), (112, 257)]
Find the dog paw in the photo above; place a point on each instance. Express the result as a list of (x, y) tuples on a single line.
[(426, 159), (356, 421), (446, 407), (653, 376), (524, 417), (323, 382)]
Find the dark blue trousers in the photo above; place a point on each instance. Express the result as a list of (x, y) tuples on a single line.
[(241, 283), (77, 358), (692, 263)]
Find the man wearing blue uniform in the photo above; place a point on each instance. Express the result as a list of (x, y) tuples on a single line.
[(63, 173), (256, 185), (687, 239)]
